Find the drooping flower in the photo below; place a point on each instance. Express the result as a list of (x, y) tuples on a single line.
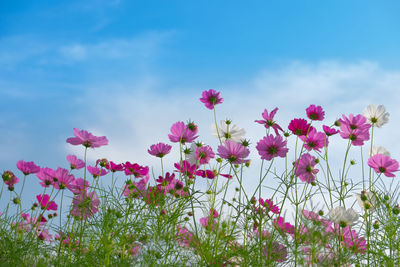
[(367, 200), (299, 127), (269, 120), (329, 131), (159, 150), (211, 98), (270, 147), (228, 131), (96, 172), (383, 164), (85, 205), (343, 217), (304, 167), (135, 169), (180, 133), (27, 167), (314, 140), (61, 178), (79, 185), (87, 139), (355, 128), (44, 202), (234, 152), (376, 115), (379, 150), (75, 163), (315, 113)]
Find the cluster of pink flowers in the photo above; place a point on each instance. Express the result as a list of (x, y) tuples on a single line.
[(355, 128)]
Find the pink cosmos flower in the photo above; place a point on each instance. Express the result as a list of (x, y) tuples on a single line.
[(180, 133), (85, 205), (209, 222), (186, 168), (44, 235), (103, 163), (96, 172), (10, 179), (299, 127), (270, 147), (79, 185), (269, 120), (315, 113), (211, 98), (27, 167), (166, 184), (304, 167), (314, 140), (269, 205), (329, 131), (75, 163), (62, 179), (383, 164), (211, 174), (312, 216), (351, 239), (355, 128), (282, 226), (203, 154), (184, 237), (45, 175), (135, 169), (136, 189), (45, 203), (159, 150), (275, 251), (87, 139), (234, 152), (115, 167)]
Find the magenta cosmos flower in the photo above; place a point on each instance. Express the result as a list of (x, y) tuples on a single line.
[(269, 120), (135, 169), (10, 179), (203, 154), (96, 172), (61, 178), (44, 202), (79, 185), (299, 127), (75, 163), (27, 167), (211, 98), (159, 150), (383, 164), (329, 131), (304, 167), (85, 205), (87, 139), (181, 133), (314, 140), (315, 113), (186, 169), (270, 147), (233, 152), (113, 167), (355, 128)]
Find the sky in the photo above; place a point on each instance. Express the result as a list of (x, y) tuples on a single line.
[(130, 69)]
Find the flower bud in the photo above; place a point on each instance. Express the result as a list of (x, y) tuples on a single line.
[(376, 225), (17, 200), (396, 210), (286, 134)]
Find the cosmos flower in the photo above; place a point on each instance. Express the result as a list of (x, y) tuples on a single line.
[(343, 217), (299, 127), (269, 120), (85, 205), (27, 167), (376, 115), (228, 131), (367, 200), (234, 152), (113, 167), (159, 150), (96, 172), (379, 150), (79, 185), (355, 128), (203, 154), (383, 164), (211, 98), (135, 169), (87, 139), (75, 163), (314, 140), (44, 202), (315, 113), (304, 167), (180, 133), (61, 178), (329, 131), (186, 169), (270, 147)]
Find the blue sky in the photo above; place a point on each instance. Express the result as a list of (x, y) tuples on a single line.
[(129, 69)]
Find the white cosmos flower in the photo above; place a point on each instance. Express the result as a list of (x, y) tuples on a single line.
[(367, 200), (376, 115), (343, 217), (379, 150), (229, 131)]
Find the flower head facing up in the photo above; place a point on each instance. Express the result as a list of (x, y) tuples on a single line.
[(299, 127), (159, 150), (343, 217), (383, 164), (234, 152), (228, 131), (211, 98), (269, 120), (304, 167), (44, 202), (87, 139), (355, 128), (27, 167), (270, 147), (315, 113), (75, 163), (180, 133), (376, 115), (85, 205), (314, 140)]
